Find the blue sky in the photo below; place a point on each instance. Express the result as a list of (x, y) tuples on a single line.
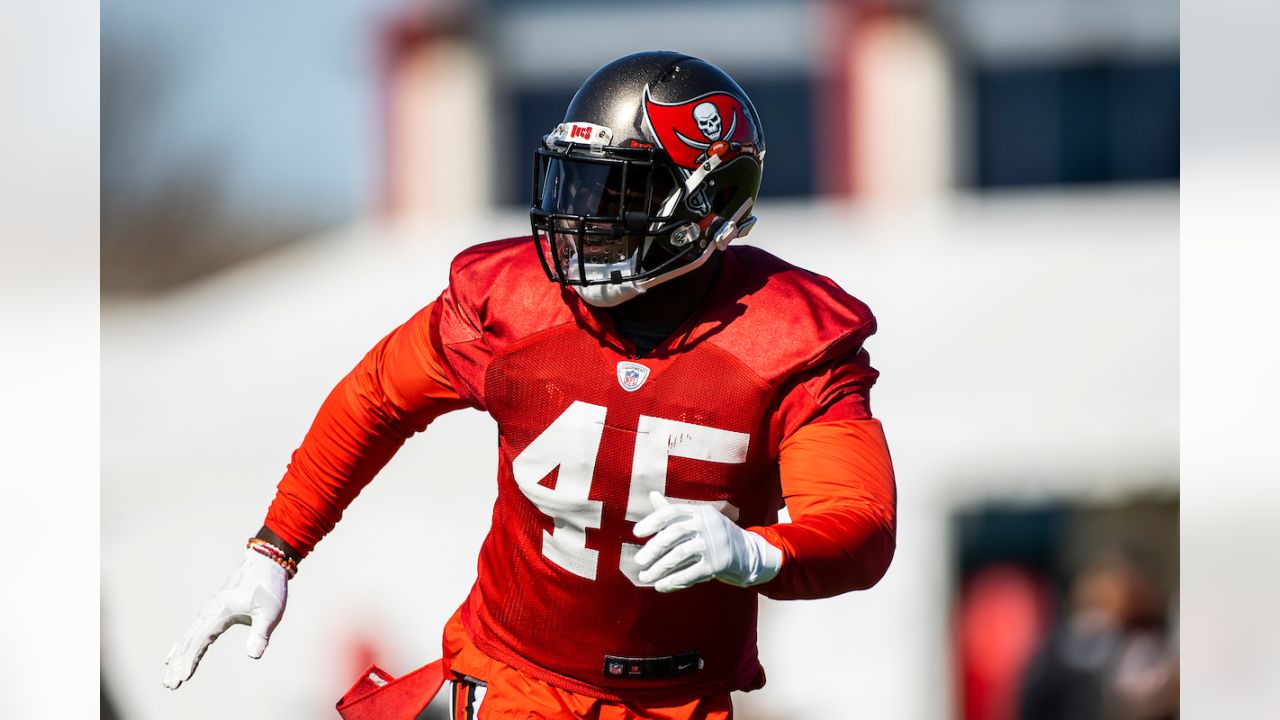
[(283, 93)]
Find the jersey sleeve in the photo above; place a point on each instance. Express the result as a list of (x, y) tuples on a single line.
[(459, 331), (396, 390), (836, 478), (838, 486), (838, 389)]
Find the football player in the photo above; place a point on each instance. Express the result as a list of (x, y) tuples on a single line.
[(660, 394)]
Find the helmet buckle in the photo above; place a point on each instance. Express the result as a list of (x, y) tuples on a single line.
[(725, 234)]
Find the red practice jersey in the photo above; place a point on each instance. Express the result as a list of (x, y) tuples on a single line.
[(586, 430), (760, 397)]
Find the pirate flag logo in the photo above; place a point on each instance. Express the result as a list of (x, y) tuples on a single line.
[(711, 124)]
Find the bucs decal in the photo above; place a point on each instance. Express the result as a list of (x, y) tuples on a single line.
[(711, 124), (580, 132)]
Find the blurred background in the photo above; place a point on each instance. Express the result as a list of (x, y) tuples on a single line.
[(997, 179)]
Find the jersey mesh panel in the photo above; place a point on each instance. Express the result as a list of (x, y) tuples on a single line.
[(530, 612)]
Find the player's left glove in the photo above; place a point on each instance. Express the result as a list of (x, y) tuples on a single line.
[(696, 543)]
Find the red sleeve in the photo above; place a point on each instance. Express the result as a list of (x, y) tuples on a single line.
[(395, 391), (838, 484), (837, 390)]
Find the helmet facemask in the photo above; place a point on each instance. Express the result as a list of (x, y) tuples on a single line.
[(606, 218), (612, 223)]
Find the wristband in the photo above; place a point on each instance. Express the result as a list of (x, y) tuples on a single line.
[(264, 548)]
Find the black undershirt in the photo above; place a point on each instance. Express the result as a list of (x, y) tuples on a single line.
[(674, 301), (644, 336)]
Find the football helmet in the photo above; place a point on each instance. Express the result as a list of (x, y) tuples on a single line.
[(656, 165)]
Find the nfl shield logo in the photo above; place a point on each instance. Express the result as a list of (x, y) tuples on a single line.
[(615, 667), (632, 375)]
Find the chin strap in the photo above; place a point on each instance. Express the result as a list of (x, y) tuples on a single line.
[(745, 228), (729, 229)]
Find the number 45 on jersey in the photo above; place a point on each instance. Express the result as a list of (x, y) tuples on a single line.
[(572, 443)]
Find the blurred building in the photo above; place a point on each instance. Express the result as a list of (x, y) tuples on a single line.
[(220, 141)]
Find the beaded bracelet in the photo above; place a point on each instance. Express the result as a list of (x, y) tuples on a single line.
[(264, 547), (275, 554)]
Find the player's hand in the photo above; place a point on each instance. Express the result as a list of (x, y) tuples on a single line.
[(254, 595), (693, 543)]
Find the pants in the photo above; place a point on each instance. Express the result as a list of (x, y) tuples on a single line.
[(492, 690), (523, 698)]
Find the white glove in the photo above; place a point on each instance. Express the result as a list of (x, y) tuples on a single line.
[(254, 595), (695, 543)]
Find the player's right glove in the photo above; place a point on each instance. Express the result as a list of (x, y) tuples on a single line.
[(254, 595), (694, 543)]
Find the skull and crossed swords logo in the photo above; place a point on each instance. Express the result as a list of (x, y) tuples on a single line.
[(707, 116), (690, 130)]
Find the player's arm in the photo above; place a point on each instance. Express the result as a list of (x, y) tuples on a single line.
[(838, 485), (395, 391), (837, 481)]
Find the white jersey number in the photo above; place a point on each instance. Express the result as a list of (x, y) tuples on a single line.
[(572, 443)]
